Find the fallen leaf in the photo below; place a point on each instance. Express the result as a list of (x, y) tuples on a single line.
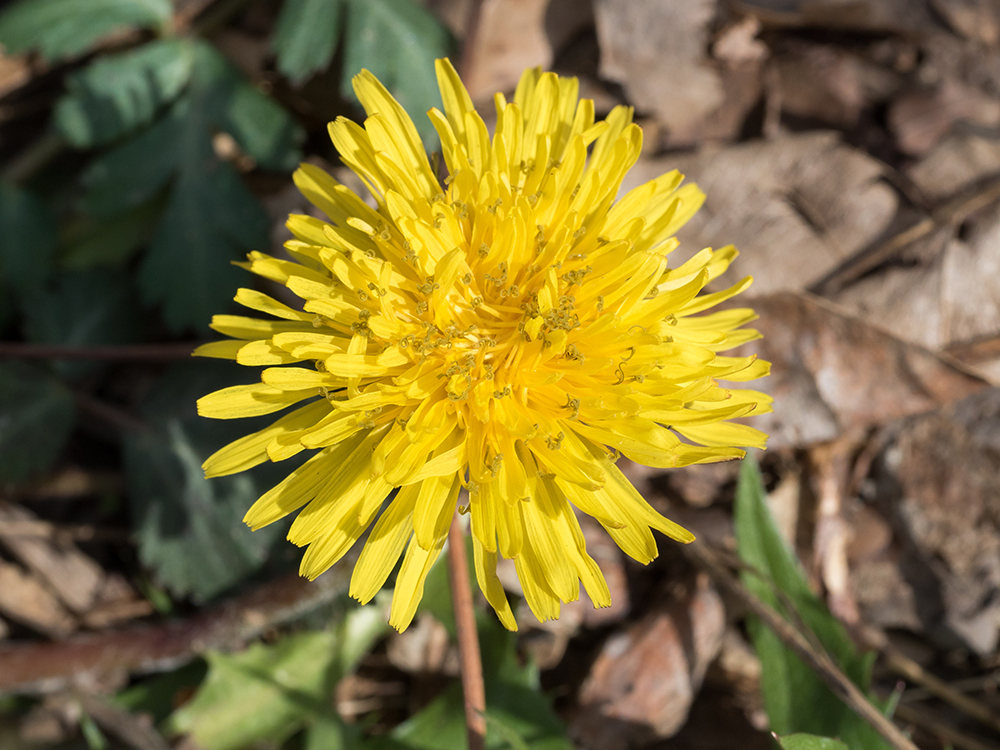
[(922, 118), (833, 373), (936, 483), (974, 19), (644, 680), (656, 50), (868, 15), (795, 207), (71, 574), (24, 599), (955, 163), (518, 34), (950, 285)]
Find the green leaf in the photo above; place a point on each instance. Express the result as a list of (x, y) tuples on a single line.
[(211, 219), (398, 41), (119, 93), (27, 239), (159, 695), (64, 28), (266, 693), (810, 742), (795, 698), (36, 417), (91, 241), (329, 732), (305, 37), (190, 529), (80, 309), (518, 714)]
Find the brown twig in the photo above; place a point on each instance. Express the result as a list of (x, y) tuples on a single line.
[(123, 725), (468, 639), (946, 734), (151, 647), (950, 213), (817, 660), (126, 353), (904, 666)]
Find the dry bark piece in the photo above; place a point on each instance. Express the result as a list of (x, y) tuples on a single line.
[(645, 679), (936, 482), (834, 374), (956, 163), (24, 599), (921, 119), (796, 207), (656, 50)]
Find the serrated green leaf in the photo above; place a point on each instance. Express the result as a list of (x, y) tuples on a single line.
[(211, 219), (90, 241), (398, 41), (305, 37), (266, 693), (63, 28), (796, 699), (190, 529), (36, 417), (83, 308), (810, 742), (119, 93), (27, 240)]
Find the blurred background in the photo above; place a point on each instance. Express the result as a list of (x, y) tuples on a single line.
[(849, 148)]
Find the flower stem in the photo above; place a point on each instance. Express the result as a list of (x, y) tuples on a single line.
[(468, 639)]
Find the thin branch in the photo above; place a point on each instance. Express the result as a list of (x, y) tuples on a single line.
[(126, 353), (903, 665), (468, 639), (951, 213), (945, 734), (817, 660)]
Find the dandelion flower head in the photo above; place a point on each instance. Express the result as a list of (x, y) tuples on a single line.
[(511, 329)]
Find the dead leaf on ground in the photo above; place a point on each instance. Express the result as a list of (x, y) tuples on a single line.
[(645, 679), (898, 16), (830, 83), (957, 162), (920, 119), (833, 373), (937, 483), (518, 34), (795, 207), (948, 291), (978, 20), (24, 599), (656, 50)]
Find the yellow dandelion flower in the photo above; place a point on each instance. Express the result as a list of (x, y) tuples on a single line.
[(510, 331)]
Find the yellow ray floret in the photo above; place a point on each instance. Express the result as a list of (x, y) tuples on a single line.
[(511, 329)]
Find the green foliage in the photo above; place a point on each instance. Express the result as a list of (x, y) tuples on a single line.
[(210, 219), (82, 308), (118, 93), (190, 529), (397, 40), (90, 241), (36, 416), (518, 715), (809, 742), (268, 692), (305, 37), (27, 240), (795, 698), (64, 28)]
